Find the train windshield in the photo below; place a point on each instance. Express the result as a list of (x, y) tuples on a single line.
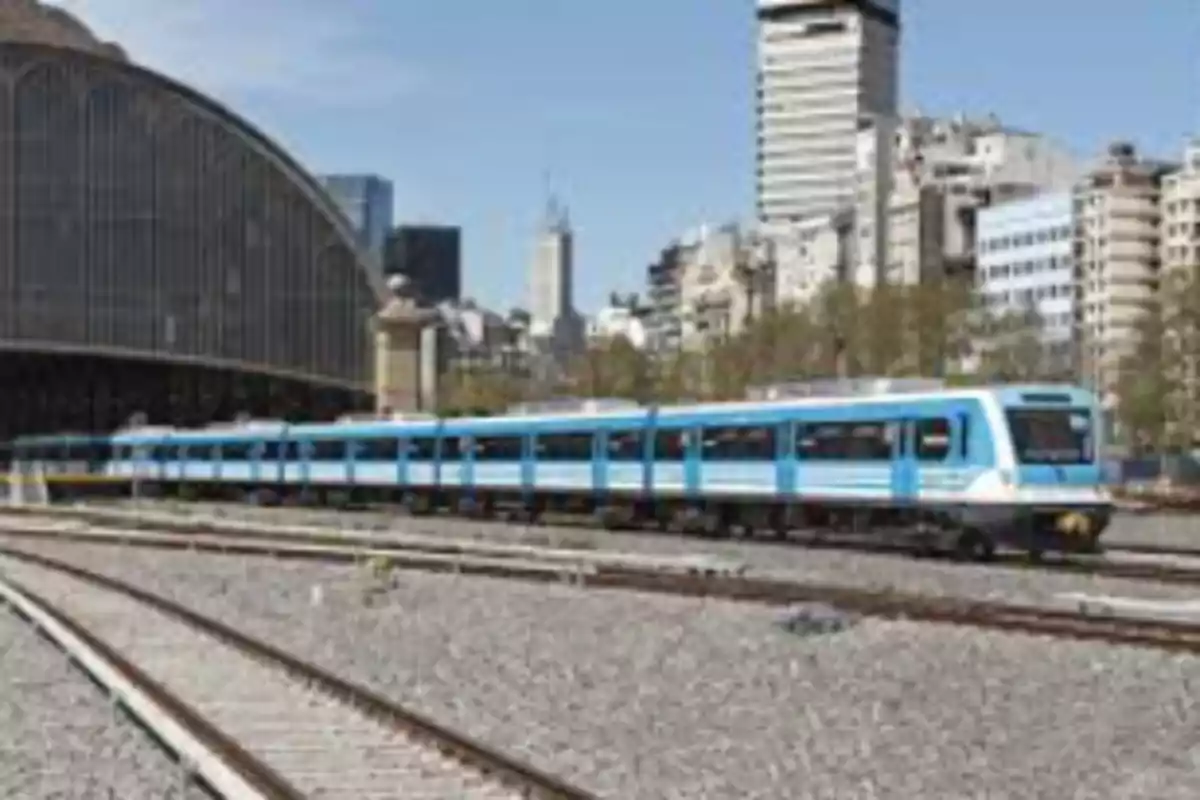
[(1051, 436)]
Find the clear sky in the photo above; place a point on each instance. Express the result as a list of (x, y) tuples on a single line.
[(639, 110)]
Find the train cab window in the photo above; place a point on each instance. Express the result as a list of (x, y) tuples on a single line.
[(845, 441), (327, 450), (932, 439), (564, 447), (386, 449), (498, 448), (421, 448), (742, 443), (625, 446), (670, 445)]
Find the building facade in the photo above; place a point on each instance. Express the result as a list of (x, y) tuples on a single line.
[(1025, 267), (430, 256), (1117, 253), (943, 172), (367, 201), (812, 254), (823, 68), (555, 325), (160, 256), (1181, 213)]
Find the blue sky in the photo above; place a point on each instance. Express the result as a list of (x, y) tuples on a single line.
[(639, 110)]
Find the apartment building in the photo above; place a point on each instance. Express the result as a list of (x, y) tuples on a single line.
[(811, 254), (1117, 255), (823, 67), (943, 171), (1025, 265), (1181, 213)]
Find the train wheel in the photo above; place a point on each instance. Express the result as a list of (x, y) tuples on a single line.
[(974, 546)]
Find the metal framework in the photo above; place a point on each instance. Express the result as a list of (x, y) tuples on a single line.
[(136, 215)]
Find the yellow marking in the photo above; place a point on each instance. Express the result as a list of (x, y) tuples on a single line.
[(1074, 524)]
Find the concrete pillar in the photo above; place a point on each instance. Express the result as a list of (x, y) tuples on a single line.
[(399, 373)]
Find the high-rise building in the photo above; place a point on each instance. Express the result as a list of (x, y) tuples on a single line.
[(824, 67), (430, 256), (553, 319), (367, 201), (1025, 265), (1181, 213), (1118, 217)]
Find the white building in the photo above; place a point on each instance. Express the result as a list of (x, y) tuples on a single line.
[(617, 320), (1181, 213), (555, 326), (823, 67), (810, 254), (1025, 264), (1117, 243), (943, 172)]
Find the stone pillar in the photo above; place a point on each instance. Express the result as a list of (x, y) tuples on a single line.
[(398, 331)]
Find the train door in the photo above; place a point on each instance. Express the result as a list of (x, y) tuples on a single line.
[(693, 453), (467, 445), (528, 469), (785, 461), (350, 450), (600, 466), (906, 478)]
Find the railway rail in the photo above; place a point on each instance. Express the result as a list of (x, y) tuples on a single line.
[(258, 722), (1098, 624), (256, 532)]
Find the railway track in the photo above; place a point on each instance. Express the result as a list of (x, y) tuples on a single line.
[(254, 721), (255, 536), (1101, 624)]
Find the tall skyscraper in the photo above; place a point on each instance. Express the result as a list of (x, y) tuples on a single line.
[(825, 67), (553, 319), (367, 201), (551, 275), (430, 256)]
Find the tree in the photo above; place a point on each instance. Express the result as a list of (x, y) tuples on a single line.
[(1143, 385), (612, 367), (1014, 347)]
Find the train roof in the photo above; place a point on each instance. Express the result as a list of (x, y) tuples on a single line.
[(1008, 395)]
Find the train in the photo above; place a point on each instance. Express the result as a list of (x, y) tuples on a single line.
[(960, 471)]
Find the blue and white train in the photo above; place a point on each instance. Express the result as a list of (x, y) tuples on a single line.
[(965, 470)]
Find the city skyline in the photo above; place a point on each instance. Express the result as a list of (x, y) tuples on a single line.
[(641, 148)]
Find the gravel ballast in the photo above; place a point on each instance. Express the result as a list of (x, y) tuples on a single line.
[(61, 737), (640, 696), (793, 561)]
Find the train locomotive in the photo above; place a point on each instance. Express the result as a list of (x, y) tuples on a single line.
[(956, 470)]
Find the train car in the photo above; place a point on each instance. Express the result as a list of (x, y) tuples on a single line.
[(960, 469), (65, 465)]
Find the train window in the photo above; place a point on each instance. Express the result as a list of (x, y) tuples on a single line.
[(964, 435), (741, 443), (328, 450), (421, 448), (670, 445), (845, 441), (625, 446), (235, 451), (197, 452), (933, 439), (498, 448), (161, 453), (291, 451), (378, 449), (452, 447), (271, 451), (565, 447)]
